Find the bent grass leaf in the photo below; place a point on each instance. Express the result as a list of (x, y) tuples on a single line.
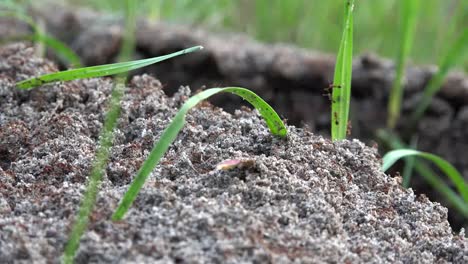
[(342, 79), (393, 156), (168, 136), (100, 70)]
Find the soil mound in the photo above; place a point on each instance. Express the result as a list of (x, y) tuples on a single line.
[(304, 199), (292, 80)]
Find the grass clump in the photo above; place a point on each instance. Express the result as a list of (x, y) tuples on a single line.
[(272, 119), (168, 136), (341, 88), (106, 137), (291, 21)]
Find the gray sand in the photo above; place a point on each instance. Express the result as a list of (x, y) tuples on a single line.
[(305, 199)]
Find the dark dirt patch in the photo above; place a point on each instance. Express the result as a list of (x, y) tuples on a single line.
[(291, 79), (305, 199)]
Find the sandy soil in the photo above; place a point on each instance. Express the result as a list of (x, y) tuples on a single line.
[(304, 199), (289, 78)]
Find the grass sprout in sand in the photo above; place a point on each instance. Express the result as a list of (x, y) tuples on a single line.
[(107, 134), (168, 136)]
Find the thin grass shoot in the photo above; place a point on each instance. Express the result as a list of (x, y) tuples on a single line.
[(105, 141), (100, 70)]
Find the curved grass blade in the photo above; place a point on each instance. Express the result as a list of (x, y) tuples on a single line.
[(38, 36), (409, 10), (393, 156), (100, 70), (454, 54), (341, 94), (272, 119), (427, 173)]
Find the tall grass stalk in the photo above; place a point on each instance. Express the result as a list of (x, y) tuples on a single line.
[(341, 90), (457, 52), (169, 134), (409, 10)]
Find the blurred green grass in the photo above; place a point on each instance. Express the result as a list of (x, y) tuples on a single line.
[(314, 24)]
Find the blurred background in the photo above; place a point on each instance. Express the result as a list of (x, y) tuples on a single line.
[(312, 24)]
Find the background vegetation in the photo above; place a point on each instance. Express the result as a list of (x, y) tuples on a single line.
[(315, 24)]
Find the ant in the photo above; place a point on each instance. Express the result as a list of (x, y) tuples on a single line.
[(348, 128), (328, 91), (331, 86)]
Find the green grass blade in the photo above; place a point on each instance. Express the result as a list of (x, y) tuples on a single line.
[(341, 94), (409, 164), (456, 53), (393, 156), (272, 119), (39, 36), (99, 165), (409, 11), (429, 176), (100, 70), (105, 143)]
